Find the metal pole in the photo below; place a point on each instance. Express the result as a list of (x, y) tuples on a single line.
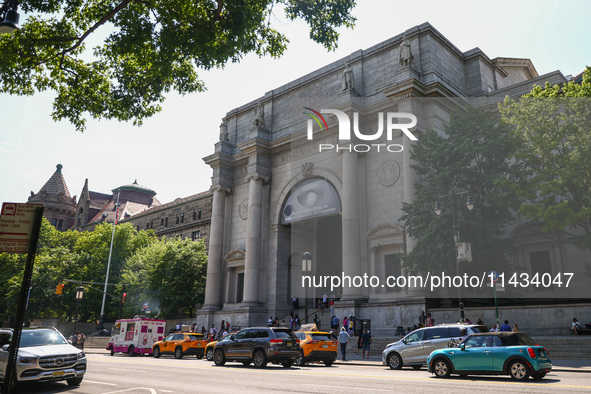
[(76, 321), (456, 240), (10, 373), (496, 305), (102, 316)]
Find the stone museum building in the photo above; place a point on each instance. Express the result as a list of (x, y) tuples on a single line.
[(302, 185)]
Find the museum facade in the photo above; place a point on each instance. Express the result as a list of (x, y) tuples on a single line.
[(304, 185)]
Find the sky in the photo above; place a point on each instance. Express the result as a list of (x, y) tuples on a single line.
[(165, 153)]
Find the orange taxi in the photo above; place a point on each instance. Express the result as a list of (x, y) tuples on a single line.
[(316, 346), (181, 344)]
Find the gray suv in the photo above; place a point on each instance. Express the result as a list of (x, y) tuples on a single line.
[(259, 345), (414, 348), (44, 355)]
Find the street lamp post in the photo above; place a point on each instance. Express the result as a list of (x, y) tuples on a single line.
[(306, 270), (470, 206), (9, 17), (79, 295)]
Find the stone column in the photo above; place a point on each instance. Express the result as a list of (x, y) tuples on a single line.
[(350, 222), (253, 242), (213, 284)]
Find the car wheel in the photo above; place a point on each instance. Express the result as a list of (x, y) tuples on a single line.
[(156, 352), (287, 364), (441, 368), (328, 363), (416, 367), (518, 370), (300, 360), (394, 361), (259, 359), (538, 375), (178, 353), (74, 381), (209, 354), (131, 351), (219, 358)]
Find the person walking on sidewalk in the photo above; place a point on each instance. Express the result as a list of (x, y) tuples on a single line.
[(343, 339), (365, 342)]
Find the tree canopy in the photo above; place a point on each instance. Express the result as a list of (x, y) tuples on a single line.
[(552, 128), (469, 157), (147, 48), (168, 274)]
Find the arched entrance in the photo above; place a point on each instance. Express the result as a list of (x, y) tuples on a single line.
[(311, 214)]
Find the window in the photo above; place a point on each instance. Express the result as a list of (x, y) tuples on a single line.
[(540, 262), (161, 222), (199, 214), (59, 224), (240, 287), (178, 219), (195, 235), (436, 333), (182, 218), (152, 224), (392, 268), (194, 214), (166, 222), (415, 336), (54, 222)]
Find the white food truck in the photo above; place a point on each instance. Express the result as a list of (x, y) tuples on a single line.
[(136, 336)]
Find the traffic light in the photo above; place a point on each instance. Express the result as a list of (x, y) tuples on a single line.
[(59, 289), (123, 298)]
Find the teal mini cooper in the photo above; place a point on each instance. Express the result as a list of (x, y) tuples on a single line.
[(492, 353)]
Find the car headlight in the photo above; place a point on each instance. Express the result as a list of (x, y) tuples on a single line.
[(28, 360), (81, 355)]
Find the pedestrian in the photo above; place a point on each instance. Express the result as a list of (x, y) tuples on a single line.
[(332, 307), (74, 339), (317, 321), (325, 300), (293, 303), (422, 319), (351, 324), (365, 342), (494, 328), (506, 327), (515, 328), (575, 326), (297, 322), (270, 321), (346, 323), (80, 342), (343, 339), (334, 325), (480, 322), (430, 320), (359, 345)]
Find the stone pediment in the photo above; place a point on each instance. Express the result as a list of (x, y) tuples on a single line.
[(235, 258)]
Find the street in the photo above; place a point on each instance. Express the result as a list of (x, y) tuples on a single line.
[(123, 374)]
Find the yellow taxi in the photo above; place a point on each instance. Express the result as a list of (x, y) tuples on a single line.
[(316, 346), (180, 344)]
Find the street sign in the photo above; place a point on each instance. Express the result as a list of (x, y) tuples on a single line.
[(494, 275), (16, 226), (146, 305)]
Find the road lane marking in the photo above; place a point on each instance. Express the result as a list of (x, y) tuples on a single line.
[(343, 387), (105, 383), (152, 391), (129, 370)]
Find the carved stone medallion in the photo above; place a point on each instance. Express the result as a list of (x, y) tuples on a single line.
[(388, 173), (243, 209)]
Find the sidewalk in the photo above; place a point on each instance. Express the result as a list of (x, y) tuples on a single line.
[(561, 365), (375, 360)]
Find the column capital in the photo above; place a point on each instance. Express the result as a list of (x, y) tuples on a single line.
[(256, 176), (219, 188)]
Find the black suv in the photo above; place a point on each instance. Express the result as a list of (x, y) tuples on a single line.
[(259, 345)]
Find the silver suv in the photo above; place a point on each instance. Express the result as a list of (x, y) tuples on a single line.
[(414, 348), (43, 355)]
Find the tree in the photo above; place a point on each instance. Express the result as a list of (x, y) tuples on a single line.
[(152, 47), (169, 273), (551, 125), (471, 157)]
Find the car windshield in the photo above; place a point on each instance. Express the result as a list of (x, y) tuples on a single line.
[(195, 337), (31, 338)]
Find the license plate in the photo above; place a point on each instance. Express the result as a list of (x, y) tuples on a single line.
[(325, 346), (288, 343), (57, 374)]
